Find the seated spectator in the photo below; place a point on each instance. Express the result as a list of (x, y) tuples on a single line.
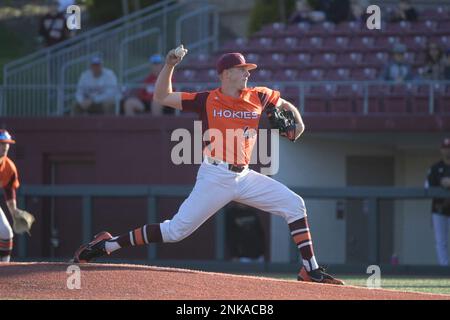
[(397, 69), (305, 13), (404, 12), (97, 90), (52, 26), (141, 101), (434, 63), (358, 10)]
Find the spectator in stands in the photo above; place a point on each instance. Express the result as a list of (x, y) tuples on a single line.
[(434, 63), (305, 13), (358, 10), (397, 69), (52, 27), (439, 176), (404, 12), (141, 100), (97, 90)]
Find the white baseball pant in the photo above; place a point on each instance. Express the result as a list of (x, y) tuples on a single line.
[(216, 186), (6, 233), (441, 225)]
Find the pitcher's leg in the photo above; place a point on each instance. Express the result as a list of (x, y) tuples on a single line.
[(6, 238), (267, 194), (211, 192), (205, 199)]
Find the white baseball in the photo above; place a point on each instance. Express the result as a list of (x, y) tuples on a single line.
[(179, 52)]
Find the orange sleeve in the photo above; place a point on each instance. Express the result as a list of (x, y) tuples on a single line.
[(194, 102), (268, 97), (14, 174), (10, 179)]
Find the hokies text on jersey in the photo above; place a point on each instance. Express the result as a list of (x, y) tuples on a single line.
[(233, 114)]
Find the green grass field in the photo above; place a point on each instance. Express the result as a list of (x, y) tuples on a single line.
[(439, 285), (406, 283)]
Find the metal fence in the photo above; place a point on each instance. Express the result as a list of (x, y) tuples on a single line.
[(419, 96), (125, 44), (362, 97), (372, 196)]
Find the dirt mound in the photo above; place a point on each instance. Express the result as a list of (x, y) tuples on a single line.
[(121, 281)]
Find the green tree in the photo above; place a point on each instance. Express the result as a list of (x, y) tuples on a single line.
[(101, 11), (269, 11)]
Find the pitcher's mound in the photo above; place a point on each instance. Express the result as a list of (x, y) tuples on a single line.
[(121, 281)]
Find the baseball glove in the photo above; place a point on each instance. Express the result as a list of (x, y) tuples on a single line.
[(282, 120), (22, 221)]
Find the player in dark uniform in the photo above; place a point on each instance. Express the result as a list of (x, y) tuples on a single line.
[(439, 176)]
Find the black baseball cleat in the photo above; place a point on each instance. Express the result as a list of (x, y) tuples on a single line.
[(318, 276), (92, 250)]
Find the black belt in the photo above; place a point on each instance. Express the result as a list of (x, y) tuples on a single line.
[(234, 168), (231, 167)]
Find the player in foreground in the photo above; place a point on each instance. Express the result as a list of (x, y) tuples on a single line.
[(10, 182), (224, 175)]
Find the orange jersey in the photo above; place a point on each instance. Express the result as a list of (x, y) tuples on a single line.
[(9, 178), (236, 120)]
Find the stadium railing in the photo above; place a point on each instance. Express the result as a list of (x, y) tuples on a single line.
[(124, 44), (417, 97), (372, 196)]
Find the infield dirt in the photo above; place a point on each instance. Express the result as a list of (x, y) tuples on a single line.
[(121, 281)]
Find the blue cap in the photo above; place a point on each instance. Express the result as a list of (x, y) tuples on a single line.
[(5, 137), (96, 60), (156, 59)]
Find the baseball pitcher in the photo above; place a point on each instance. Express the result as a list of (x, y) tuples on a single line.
[(9, 178), (224, 175)]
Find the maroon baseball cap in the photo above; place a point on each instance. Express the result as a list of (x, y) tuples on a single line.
[(231, 60), (445, 143)]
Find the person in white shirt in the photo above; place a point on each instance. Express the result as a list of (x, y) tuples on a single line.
[(97, 90)]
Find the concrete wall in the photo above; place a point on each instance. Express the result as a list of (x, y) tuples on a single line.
[(318, 160), (414, 240)]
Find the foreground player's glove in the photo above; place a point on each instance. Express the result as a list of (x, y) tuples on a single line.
[(282, 120), (22, 221)]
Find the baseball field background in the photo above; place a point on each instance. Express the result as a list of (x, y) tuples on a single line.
[(361, 164)]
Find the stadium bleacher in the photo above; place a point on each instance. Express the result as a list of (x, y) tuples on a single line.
[(344, 52)]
